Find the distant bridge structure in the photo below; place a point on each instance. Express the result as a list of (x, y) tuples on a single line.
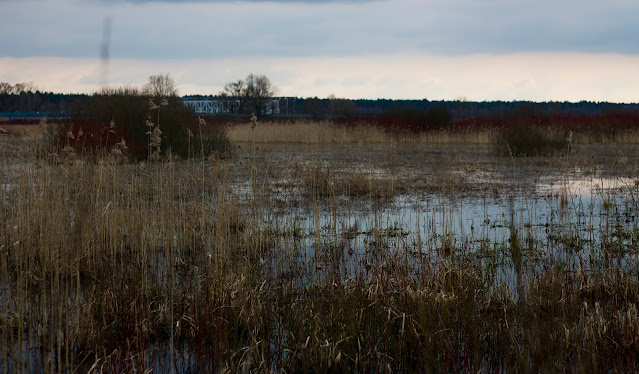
[(213, 106), (205, 106)]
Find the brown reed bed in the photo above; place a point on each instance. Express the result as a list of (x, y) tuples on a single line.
[(528, 136), (112, 266), (326, 132)]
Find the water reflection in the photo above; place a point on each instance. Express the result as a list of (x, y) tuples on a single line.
[(570, 220)]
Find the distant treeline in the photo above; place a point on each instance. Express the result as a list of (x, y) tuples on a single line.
[(28, 101), (38, 102), (458, 109)]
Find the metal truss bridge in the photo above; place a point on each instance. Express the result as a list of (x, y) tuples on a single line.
[(212, 106), (205, 106)]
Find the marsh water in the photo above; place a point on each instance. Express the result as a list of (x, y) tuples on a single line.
[(449, 202), (426, 207)]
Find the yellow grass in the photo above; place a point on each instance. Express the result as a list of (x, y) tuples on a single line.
[(619, 137), (322, 132), (327, 132), (20, 130)]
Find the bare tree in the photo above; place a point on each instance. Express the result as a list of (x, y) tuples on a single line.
[(252, 94), (257, 92), (5, 88), (234, 89), (233, 92), (16, 89), (161, 85)]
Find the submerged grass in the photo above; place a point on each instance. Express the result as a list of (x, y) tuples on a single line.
[(108, 266), (319, 183)]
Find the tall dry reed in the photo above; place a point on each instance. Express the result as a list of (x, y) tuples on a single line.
[(323, 132)]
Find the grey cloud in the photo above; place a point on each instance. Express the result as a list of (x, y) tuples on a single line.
[(318, 2), (214, 28)]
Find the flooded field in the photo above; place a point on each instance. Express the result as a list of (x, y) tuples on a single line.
[(453, 200), (289, 257)]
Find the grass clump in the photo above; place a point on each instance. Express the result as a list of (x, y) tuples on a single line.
[(318, 182), (210, 140), (360, 184), (527, 139)]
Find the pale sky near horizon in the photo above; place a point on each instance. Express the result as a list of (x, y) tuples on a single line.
[(559, 50)]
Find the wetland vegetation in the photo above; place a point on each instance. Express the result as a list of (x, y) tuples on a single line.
[(317, 248)]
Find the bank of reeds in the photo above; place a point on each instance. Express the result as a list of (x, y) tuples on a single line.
[(526, 139), (121, 267), (324, 132)]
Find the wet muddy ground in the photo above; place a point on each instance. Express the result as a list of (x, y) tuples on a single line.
[(466, 169)]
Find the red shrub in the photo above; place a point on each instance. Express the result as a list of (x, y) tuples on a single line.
[(93, 138)]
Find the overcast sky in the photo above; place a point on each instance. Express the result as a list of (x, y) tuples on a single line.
[(435, 49)]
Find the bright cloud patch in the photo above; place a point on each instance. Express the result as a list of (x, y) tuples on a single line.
[(525, 76)]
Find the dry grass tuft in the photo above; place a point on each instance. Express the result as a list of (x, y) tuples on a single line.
[(360, 184), (318, 182)]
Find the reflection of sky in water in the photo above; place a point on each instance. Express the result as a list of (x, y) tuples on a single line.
[(575, 204), (589, 186), (564, 218)]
